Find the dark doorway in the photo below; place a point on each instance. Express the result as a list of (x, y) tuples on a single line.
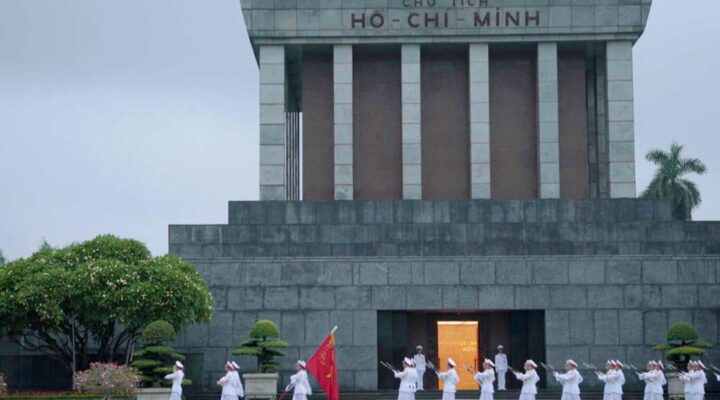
[(522, 333)]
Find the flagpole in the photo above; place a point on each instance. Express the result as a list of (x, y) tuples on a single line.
[(333, 330)]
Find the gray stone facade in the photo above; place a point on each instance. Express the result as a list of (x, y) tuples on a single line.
[(610, 275)]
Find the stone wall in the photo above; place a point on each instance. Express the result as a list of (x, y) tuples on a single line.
[(611, 275)]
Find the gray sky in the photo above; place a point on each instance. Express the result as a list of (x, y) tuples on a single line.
[(124, 116)]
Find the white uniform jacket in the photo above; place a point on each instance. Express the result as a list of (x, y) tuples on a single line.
[(485, 379), (408, 380), (237, 384), (419, 361), (694, 382), (177, 378), (570, 380), (228, 390), (300, 382), (451, 379), (613, 381), (654, 381), (529, 380), (501, 362)]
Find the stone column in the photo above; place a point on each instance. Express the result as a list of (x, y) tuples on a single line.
[(548, 121), (479, 121), (343, 126), (621, 120), (411, 128), (272, 123)]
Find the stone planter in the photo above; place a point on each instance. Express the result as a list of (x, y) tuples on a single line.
[(260, 386), (153, 394), (675, 387)]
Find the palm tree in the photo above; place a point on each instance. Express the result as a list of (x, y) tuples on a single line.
[(669, 182)]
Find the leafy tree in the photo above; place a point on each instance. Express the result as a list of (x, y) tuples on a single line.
[(93, 298), (682, 343), (263, 344), (2, 258), (156, 359), (669, 182)]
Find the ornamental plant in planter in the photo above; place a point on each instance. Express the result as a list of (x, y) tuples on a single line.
[(156, 360), (681, 344), (108, 381), (264, 344)]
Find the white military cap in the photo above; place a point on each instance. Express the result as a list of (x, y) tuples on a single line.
[(618, 363), (571, 362), (660, 364), (235, 365), (419, 347), (228, 364), (531, 363), (489, 362), (700, 364), (408, 361), (500, 347), (451, 362), (179, 365), (301, 363)]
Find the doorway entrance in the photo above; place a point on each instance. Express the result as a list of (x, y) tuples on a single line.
[(459, 340)]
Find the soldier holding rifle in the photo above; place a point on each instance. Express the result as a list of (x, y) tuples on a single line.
[(485, 379), (654, 380), (450, 378), (408, 379), (570, 380), (529, 379)]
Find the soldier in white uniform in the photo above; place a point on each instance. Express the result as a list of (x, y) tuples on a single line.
[(613, 381), (408, 380), (236, 382), (695, 380), (228, 390), (450, 378), (177, 377), (420, 366), (654, 380), (300, 382), (485, 379), (529, 379), (570, 380), (501, 366)]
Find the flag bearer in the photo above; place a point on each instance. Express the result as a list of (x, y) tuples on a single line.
[(177, 377), (300, 382), (570, 380), (529, 379), (485, 379), (501, 366)]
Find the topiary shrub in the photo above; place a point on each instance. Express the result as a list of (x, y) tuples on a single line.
[(263, 344), (156, 359), (682, 343)]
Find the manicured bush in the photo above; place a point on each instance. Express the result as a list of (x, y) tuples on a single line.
[(263, 344), (108, 380), (682, 344), (156, 359)]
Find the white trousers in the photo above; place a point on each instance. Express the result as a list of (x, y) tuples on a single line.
[(612, 396), (298, 396), (448, 396), (570, 396), (421, 373), (501, 379), (175, 396), (406, 396), (228, 397), (486, 396), (653, 396), (694, 396), (527, 396)]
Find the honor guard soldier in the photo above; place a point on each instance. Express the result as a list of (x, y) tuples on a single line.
[(228, 390), (299, 382), (177, 378), (501, 366), (450, 379), (654, 381), (485, 379), (236, 382), (408, 380), (570, 381), (695, 380), (613, 381), (529, 379), (420, 366)]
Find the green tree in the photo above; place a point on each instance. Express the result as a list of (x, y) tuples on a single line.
[(93, 298), (2, 258), (669, 182), (264, 344), (682, 343), (156, 359)]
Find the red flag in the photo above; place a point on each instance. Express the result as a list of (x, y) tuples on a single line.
[(324, 368)]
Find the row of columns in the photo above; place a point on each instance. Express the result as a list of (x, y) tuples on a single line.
[(619, 116)]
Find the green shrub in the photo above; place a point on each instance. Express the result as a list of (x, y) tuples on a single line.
[(263, 344), (682, 344), (107, 380), (156, 359)]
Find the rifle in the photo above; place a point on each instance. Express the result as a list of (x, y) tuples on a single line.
[(432, 366), (388, 366), (468, 369), (547, 367)]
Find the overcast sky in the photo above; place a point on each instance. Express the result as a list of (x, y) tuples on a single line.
[(124, 116)]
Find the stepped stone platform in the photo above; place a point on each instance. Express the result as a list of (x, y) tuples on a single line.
[(608, 276)]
